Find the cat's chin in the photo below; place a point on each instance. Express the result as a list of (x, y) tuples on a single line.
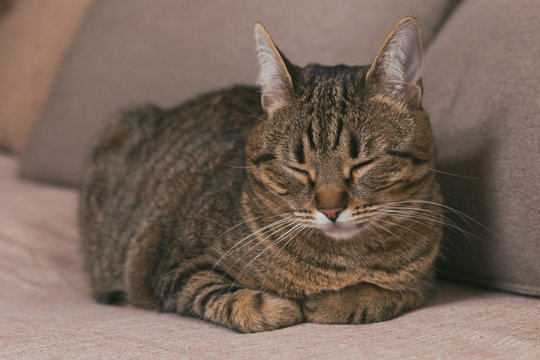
[(341, 232)]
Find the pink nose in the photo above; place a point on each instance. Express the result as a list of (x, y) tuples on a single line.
[(332, 214)]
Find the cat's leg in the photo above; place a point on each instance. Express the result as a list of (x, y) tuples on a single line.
[(214, 297), (360, 304)]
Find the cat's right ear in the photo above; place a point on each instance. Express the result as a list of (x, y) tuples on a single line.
[(274, 72), (396, 73)]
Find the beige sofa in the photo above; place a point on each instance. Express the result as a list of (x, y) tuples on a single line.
[(484, 112)]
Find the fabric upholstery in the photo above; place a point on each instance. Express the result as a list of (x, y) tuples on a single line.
[(481, 79), (133, 51), (47, 312), (34, 35)]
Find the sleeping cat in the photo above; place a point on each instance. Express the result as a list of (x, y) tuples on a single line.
[(311, 199)]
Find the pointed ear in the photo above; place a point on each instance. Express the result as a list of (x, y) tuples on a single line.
[(396, 72), (274, 72)]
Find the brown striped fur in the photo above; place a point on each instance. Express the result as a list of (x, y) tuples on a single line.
[(318, 206)]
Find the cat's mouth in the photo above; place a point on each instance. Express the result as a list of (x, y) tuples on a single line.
[(344, 227), (340, 231)]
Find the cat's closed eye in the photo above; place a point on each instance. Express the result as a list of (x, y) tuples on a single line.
[(360, 166), (305, 174), (300, 171)]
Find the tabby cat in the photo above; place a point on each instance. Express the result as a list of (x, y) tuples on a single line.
[(311, 198)]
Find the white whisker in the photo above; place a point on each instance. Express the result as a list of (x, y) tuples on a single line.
[(455, 175), (274, 258), (368, 225), (404, 227), (275, 223), (275, 242), (466, 218), (448, 224), (267, 235)]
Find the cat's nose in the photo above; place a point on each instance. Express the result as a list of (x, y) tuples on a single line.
[(330, 202), (332, 214)]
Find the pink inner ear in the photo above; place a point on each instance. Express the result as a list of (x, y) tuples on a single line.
[(274, 78), (413, 71), (414, 64), (401, 65)]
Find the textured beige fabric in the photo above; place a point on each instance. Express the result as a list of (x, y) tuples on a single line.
[(34, 35), (133, 51), (481, 79), (47, 313)]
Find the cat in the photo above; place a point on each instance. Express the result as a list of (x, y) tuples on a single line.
[(311, 198)]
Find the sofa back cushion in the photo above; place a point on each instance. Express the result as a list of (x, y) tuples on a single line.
[(481, 79), (133, 51)]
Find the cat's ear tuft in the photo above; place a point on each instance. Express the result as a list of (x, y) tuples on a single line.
[(396, 72), (274, 72)]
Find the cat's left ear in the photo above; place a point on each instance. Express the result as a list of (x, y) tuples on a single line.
[(396, 72), (274, 72)]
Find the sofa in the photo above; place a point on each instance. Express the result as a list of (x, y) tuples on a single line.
[(66, 67)]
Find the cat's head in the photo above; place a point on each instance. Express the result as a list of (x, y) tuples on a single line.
[(337, 142)]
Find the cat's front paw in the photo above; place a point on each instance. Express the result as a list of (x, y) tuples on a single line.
[(360, 304), (329, 308), (255, 311)]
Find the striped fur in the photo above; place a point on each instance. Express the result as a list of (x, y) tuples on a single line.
[(318, 206)]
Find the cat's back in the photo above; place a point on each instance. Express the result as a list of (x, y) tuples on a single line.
[(149, 160)]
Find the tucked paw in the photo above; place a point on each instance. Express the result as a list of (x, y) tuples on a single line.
[(255, 311), (360, 304), (326, 308)]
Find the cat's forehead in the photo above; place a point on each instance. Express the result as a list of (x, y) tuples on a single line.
[(332, 77), (334, 118), (329, 90), (332, 114)]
